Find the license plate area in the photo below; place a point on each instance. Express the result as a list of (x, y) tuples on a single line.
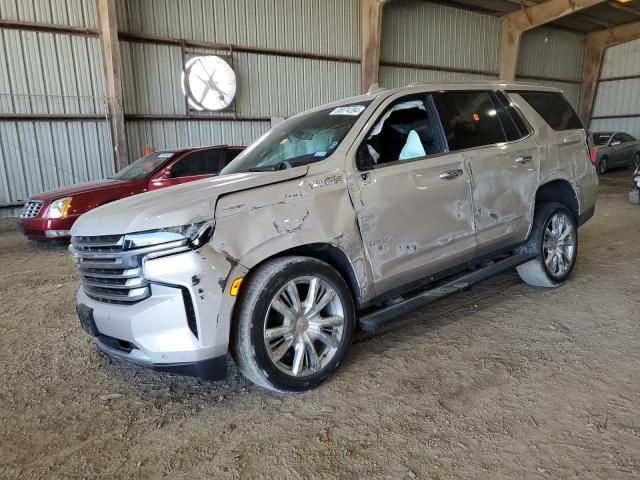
[(85, 314)]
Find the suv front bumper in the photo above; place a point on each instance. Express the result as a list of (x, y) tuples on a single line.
[(182, 327)]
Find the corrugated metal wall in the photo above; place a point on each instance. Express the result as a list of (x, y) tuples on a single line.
[(166, 134), (418, 33), (50, 74), (268, 84), (75, 13), (310, 26), (548, 52), (422, 33), (619, 97)]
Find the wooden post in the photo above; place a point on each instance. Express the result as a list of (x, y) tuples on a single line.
[(516, 23), (371, 34), (597, 43), (510, 37), (108, 23)]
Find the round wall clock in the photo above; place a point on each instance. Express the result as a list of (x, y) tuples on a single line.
[(209, 83)]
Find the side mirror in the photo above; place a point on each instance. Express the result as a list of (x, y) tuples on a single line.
[(615, 142), (363, 158)]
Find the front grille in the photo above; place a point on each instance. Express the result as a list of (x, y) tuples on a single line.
[(31, 209), (108, 272)]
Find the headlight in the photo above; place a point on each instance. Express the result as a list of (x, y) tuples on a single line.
[(193, 235), (59, 208)]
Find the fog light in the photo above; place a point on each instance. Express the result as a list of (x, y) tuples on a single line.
[(57, 233)]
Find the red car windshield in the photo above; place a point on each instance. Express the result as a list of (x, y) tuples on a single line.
[(144, 167)]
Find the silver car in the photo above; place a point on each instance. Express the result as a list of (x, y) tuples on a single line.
[(615, 149), (346, 216)]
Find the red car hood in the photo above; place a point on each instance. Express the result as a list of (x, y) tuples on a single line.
[(80, 188)]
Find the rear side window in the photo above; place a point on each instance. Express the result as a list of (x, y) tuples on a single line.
[(512, 123), (627, 138), (469, 119), (203, 162), (554, 108)]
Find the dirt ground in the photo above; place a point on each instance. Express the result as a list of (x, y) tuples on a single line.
[(503, 381)]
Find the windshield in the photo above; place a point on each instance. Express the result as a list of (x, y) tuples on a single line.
[(144, 167), (601, 138), (298, 141)]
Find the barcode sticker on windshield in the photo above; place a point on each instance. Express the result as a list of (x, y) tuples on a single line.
[(165, 155), (350, 110)]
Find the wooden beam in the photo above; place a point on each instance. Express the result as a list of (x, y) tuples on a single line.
[(108, 26), (516, 23), (371, 33), (595, 46), (624, 8)]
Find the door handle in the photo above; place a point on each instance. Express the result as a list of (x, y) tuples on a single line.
[(524, 159), (449, 174)]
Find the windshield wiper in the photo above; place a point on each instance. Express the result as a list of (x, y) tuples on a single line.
[(284, 165), (262, 169)]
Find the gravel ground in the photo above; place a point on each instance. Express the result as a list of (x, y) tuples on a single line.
[(503, 381)]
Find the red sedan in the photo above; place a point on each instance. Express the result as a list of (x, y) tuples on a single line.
[(50, 215)]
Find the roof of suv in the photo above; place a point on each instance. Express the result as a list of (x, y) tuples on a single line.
[(435, 86)]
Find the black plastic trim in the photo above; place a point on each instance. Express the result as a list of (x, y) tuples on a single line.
[(586, 215), (381, 317)]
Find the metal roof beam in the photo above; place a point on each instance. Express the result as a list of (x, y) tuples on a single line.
[(597, 43), (516, 23), (624, 8)]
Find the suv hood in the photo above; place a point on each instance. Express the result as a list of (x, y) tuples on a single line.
[(169, 207), (78, 189)]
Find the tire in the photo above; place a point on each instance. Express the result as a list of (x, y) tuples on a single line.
[(636, 161), (273, 302), (603, 166), (537, 271)]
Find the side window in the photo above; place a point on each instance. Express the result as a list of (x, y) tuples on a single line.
[(407, 130), (617, 139), (469, 119), (203, 162), (511, 120), (554, 108), (230, 154), (627, 138)]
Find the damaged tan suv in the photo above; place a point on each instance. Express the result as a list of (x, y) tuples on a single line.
[(342, 217)]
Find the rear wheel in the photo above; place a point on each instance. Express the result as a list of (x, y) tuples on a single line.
[(294, 324), (636, 160), (603, 165), (554, 238)]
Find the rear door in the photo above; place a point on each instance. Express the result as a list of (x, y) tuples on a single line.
[(503, 160), (617, 149), (412, 197)]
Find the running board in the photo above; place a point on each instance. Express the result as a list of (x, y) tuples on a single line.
[(378, 318)]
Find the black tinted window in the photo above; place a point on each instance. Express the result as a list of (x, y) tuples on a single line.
[(470, 119), (554, 108), (204, 162), (512, 123), (625, 137)]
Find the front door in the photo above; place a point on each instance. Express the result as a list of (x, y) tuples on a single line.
[(412, 197)]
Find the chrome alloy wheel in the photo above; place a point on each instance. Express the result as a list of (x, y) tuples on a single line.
[(302, 336), (559, 244)]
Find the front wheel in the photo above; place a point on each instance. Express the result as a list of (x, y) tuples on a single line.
[(554, 238), (294, 324)]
